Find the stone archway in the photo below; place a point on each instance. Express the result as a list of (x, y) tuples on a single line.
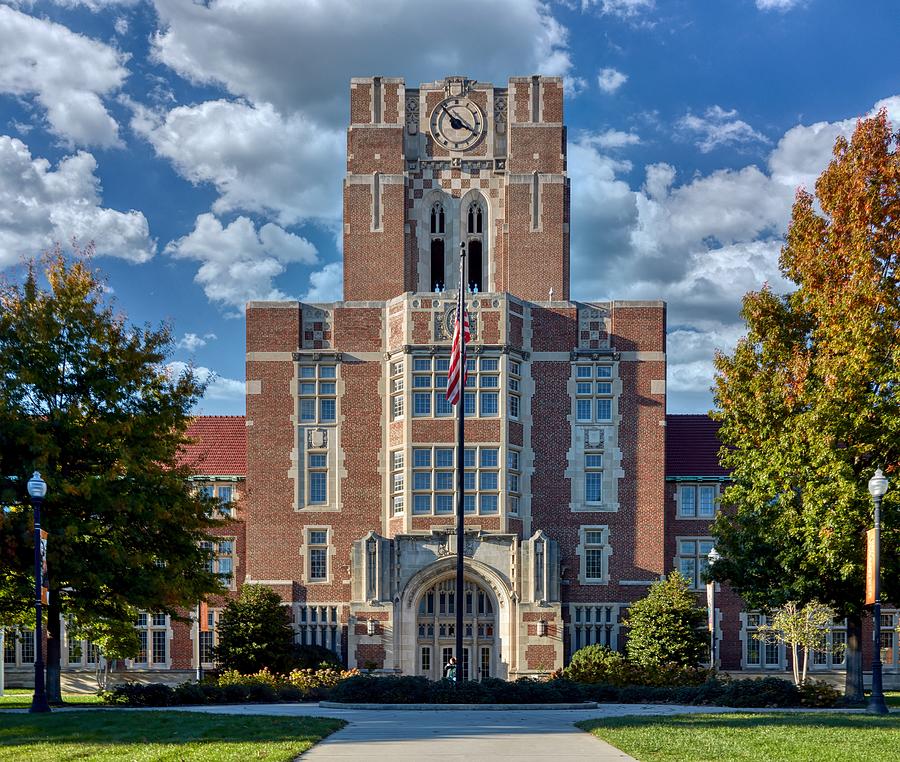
[(422, 621)]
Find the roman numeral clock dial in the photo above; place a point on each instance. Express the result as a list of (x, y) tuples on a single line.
[(457, 124)]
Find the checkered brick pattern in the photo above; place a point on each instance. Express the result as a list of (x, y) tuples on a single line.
[(455, 182)]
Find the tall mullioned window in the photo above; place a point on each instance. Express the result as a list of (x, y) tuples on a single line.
[(398, 480), (593, 477), (514, 479), (153, 636), (428, 397), (397, 390), (317, 554), (514, 385), (433, 480), (593, 393), (693, 558), (318, 393)]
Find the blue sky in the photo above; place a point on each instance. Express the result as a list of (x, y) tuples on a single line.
[(201, 144)]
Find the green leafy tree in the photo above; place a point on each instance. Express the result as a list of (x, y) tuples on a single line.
[(86, 400), (665, 626), (803, 628), (809, 402), (114, 639), (255, 633)]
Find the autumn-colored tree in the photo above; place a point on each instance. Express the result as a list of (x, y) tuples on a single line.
[(86, 400), (809, 402)]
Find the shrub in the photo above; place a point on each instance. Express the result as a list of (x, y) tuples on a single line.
[(290, 693), (140, 694), (189, 693), (665, 626), (314, 657), (262, 693), (817, 693), (255, 633), (236, 693), (598, 664), (760, 692)]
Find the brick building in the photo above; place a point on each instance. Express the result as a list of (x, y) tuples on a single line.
[(581, 491)]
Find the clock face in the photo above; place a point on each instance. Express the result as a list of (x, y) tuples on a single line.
[(457, 124)]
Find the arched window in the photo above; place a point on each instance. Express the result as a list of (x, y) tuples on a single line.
[(437, 219), (475, 218)]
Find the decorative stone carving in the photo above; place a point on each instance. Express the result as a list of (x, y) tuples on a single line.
[(445, 317), (317, 438), (412, 113)]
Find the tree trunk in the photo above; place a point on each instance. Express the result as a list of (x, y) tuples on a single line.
[(853, 686), (805, 664), (54, 649), (795, 663)]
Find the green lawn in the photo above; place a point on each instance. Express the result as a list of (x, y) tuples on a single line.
[(20, 698), (141, 736), (737, 737)]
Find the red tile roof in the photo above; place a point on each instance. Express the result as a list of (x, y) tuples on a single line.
[(219, 447), (692, 446)]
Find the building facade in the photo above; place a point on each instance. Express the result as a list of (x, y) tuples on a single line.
[(349, 508)]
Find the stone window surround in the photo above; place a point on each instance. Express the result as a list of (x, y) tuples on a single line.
[(678, 556), (329, 554), (746, 634), (581, 552), (149, 629)]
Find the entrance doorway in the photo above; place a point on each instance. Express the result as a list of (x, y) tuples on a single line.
[(436, 631)]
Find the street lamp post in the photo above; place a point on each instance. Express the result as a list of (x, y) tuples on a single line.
[(878, 485), (713, 556), (37, 488)]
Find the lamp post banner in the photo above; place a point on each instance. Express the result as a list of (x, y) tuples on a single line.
[(710, 603), (45, 583), (871, 566)]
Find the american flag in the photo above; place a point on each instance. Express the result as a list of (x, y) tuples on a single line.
[(458, 372)]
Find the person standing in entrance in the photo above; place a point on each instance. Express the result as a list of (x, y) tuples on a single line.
[(450, 669)]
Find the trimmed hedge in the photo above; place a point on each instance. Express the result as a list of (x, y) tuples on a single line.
[(600, 664), (761, 692)]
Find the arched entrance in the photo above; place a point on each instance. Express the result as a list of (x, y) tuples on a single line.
[(488, 616), (436, 630)]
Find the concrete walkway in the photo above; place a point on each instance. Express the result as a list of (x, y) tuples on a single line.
[(428, 734)]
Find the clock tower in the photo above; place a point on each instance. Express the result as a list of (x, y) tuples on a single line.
[(450, 162)]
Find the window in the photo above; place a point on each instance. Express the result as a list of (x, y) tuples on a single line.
[(693, 558), (317, 477), (224, 493), (318, 393), (697, 501), (593, 477), (593, 624), (433, 480), (429, 388), (208, 637), (319, 625), (594, 551), (153, 635), (513, 479), (221, 559), (317, 552), (398, 476), (437, 247), (593, 399), (759, 653), (425, 664), (397, 386)]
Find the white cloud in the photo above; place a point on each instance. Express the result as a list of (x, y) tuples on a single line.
[(288, 168), (326, 285), (219, 391), (239, 263), (700, 244), (91, 5), (778, 5), (574, 86), (622, 8), (121, 26), (40, 205), (192, 341), (609, 80), (718, 127), (67, 73), (300, 54), (611, 139)]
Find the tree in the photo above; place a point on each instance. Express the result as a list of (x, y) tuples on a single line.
[(255, 632), (803, 628), (114, 639), (86, 400), (809, 402), (665, 626)]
